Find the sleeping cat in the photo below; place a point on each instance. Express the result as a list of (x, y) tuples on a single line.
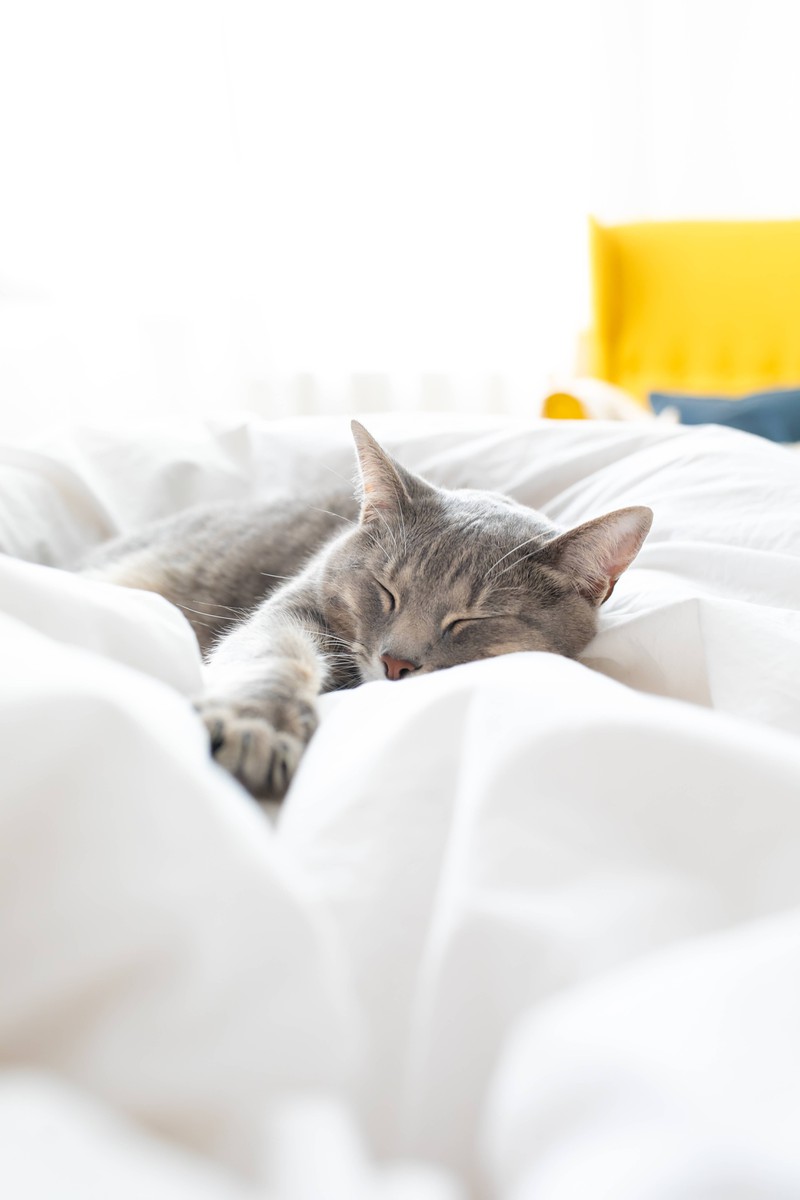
[(407, 579)]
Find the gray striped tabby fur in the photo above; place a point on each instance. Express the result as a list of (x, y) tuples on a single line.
[(291, 600)]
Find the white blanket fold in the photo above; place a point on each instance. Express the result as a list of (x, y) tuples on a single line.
[(528, 926)]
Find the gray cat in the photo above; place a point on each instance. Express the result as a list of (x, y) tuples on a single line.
[(408, 579)]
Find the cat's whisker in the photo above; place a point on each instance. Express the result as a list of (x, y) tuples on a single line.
[(515, 563), (270, 575), (230, 607), (205, 624), (400, 515), (322, 633), (322, 637), (201, 613), (513, 550), (338, 474), (339, 517), (376, 543), (390, 531)]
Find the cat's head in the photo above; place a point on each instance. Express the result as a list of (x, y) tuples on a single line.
[(431, 578)]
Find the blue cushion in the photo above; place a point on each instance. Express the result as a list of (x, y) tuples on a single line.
[(774, 414)]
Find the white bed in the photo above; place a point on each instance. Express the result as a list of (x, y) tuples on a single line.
[(526, 928)]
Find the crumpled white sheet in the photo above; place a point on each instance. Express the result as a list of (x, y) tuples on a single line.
[(521, 930)]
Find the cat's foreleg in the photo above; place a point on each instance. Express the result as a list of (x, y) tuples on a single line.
[(259, 703)]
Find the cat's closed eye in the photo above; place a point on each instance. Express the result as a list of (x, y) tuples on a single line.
[(456, 624), (388, 598)]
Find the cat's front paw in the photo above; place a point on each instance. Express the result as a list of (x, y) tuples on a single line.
[(262, 754)]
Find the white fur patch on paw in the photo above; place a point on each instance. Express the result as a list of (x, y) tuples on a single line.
[(262, 758)]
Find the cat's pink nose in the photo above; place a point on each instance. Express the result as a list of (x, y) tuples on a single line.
[(397, 668)]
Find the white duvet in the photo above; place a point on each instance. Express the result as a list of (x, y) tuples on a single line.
[(526, 928)]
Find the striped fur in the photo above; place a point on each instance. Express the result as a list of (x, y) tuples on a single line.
[(291, 599)]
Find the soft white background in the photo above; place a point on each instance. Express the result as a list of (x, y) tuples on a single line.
[(320, 206)]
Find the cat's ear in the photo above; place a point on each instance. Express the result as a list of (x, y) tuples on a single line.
[(595, 554), (386, 487)]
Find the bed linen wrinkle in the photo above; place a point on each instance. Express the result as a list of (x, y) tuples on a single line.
[(525, 927)]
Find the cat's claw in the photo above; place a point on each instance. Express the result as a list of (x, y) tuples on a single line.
[(263, 758)]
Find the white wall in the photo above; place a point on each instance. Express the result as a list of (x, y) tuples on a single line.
[(350, 203)]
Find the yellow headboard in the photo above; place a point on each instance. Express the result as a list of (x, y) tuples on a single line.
[(696, 306)]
